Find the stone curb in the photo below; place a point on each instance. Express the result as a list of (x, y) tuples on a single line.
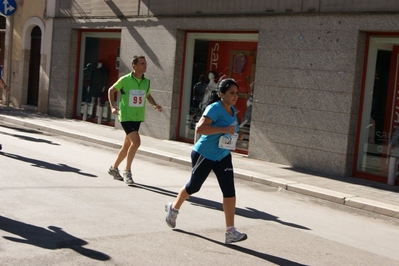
[(373, 206)]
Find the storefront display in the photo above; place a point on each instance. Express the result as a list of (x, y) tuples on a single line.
[(380, 107), (217, 56), (99, 65)]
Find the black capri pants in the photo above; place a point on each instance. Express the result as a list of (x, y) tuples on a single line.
[(201, 167)]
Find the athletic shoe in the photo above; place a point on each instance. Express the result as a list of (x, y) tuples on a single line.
[(171, 215), (234, 236), (127, 177), (115, 173)]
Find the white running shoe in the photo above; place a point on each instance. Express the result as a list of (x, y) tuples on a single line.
[(127, 177), (234, 236), (171, 215), (115, 173)]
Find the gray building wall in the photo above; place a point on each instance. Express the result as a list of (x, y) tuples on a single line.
[(307, 81), (132, 8)]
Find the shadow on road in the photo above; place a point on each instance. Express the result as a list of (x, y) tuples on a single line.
[(21, 129), (52, 239), (31, 139), (46, 165), (248, 212), (264, 256)]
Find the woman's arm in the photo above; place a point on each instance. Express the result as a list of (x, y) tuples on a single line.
[(204, 127)]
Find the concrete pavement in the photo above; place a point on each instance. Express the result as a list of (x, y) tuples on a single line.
[(369, 196)]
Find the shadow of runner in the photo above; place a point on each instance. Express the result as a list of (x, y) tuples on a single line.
[(27, 138), (22, 129), (264, 256), (42, 164), (52, 239), (247, 212)]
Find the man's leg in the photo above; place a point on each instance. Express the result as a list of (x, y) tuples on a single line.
[(122, 153), (135, 141), (113, 170)]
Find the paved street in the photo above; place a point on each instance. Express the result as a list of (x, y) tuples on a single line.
[(60, 207)]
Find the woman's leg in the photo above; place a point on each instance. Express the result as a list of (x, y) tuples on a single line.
[(201, 168), (181, 197), (225, 176), (229, 208)]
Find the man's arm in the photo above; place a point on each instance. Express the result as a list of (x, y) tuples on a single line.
[(153, 103), (111, 92)]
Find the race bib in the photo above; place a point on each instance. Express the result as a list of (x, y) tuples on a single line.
[(228, 143), (136, 98)]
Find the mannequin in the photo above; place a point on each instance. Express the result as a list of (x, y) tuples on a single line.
[(199, 91), (87, 81), (99, 79), (248, 112), (198, 95), (212, 86)]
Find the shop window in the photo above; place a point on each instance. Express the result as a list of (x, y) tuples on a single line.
[(380, 108), (98, 70), (212, 57)]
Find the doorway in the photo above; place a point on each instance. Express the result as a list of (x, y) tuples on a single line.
[(221, 55), (379, 116), (34, 66), (98, 70)]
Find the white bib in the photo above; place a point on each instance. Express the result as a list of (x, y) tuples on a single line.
[(136, 98), (228, 143)]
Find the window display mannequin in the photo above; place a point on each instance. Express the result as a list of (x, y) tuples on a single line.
[(212, 86), (198, 95), (199, 91), (99, 77), (86, 82), (248, 112)]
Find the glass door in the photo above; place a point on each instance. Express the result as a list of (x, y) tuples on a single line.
[(211, 57), (98, 70), (380, 110)]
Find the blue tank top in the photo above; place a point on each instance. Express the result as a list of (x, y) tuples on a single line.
[(208, 145)]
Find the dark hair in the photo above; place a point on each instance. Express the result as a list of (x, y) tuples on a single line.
[(135, 59), (202, 79), (225, 84)]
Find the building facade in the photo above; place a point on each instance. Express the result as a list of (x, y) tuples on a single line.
[(317, 78), (27, 54)]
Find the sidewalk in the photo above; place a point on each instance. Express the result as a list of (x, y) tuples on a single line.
[(369, 196)]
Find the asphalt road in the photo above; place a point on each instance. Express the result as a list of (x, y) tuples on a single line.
[(60, 207)]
